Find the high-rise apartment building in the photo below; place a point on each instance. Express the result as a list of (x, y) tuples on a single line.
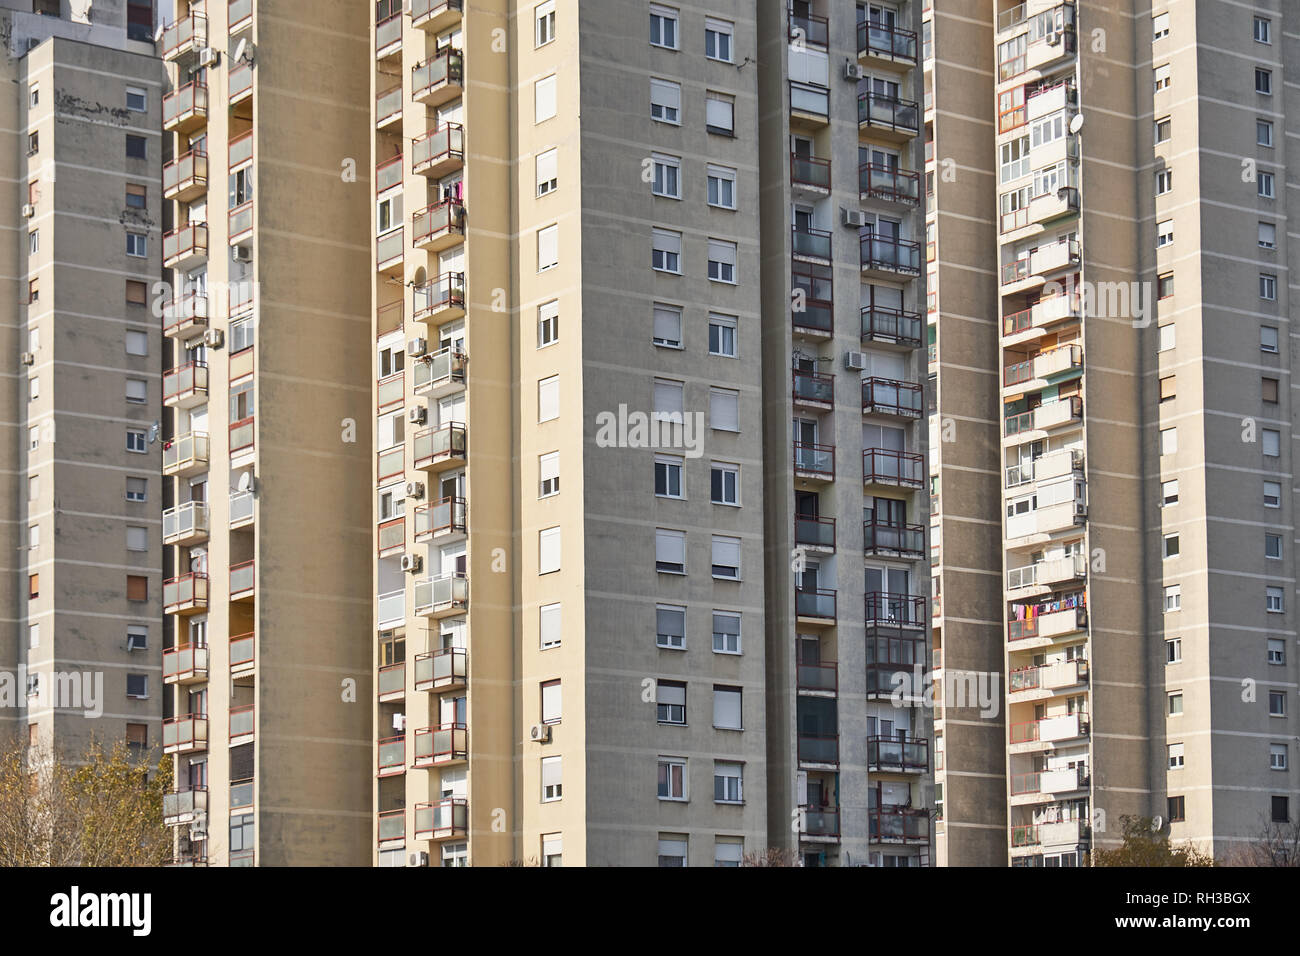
[(80, 638)]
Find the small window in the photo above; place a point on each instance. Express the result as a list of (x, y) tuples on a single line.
[(548, 248), (1164, 233), (667, 252), (137, 391), (548, 175), (667, 325), (33, 635), (137, 489), (1164, 129), (137, 587), (722, 261), (137, 100), (1173, 597), (1162, 77), (33, 537), (1272, 494), (1263, 82), (34, 488), (728, 782), (137, 685), (1164, 181), (1159, 26), (548, 471), (1168, 337), (1263, 30), (721, 187), (672, 777), (726, 632), (33, 95), (137, 147), (552, 782), (1272, 546), (1268, 286), (666, 101), (1277, 757), (720, 113), (544, 99), (137, 637), (726, 557), (1277, 703), (33, 242), (137, 197), (725, 484), (1175, 704), (548, 324), (1269, 390), (1170, 546), (550, 696), (137, 292), (33, 437), (728, 705), (1267, 235), (548, 550), (668, 400), (544, 16), (670, 627), (1168, 441), (33, 143), (1176, 809), (670, 702), (1264, 185), (668, 477), (1271, 440), (718, 37), (549, 625), (1263, 133), (1174, 650), (670, 551), (722, 335), (1276, 650), (1273, 600), (548, 399), (1168, 387), (724, 409), (730, 851), (663, 27), (136, 441), (667, 181), (137, 539), (34, 585), (1268, 339), (1165, 285)]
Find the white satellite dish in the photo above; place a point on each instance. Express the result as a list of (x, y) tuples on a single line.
[(244, 50), (245, 481), (1076, 124)]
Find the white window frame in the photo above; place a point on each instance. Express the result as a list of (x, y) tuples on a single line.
[(726, 771), (550, 618), (548, 474), (725, 469), (672, 794), (666, 330), (548, 323), (720, 28), (723, 257), (545, 98), (723, 176), (720, 113), (724, 409), (546, 166), (725, 641), (669, 258), (548, 247), (724, 322), (548, 399), (549, 543), (726, 699), (659, 182), (1173, 598), (543, 24), (721, 546), (1274, 599), (670, 543), (665, 641), (666, 102), (552, 791), (665, 20), (668, 466)]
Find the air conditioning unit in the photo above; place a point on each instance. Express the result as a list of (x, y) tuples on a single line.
[(399, 722), (214, 338), (198, 831), (208, 56), (417, 415), (853, 72), (415, 489), (540, 733), (412, 563), (419, 859), (855, 361), (853, 217), (28, 358), (28, 211), (1054, 39), (416, 347), (243, 254)]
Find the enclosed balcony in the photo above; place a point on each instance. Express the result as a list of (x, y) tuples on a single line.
[(185, 734), (184, 806), (1041, 263), (887, 538), (391, 756), (439, 152), (1043, 313), (390, 826), (884, 466), (440, 373), (1037, 734), (812, 306), (388, 28), (443, 820), (820, 823), (186, 248), (888, 396), (815, 606), (243, 725), (439, 79), (1058, 571), (435, 16), (881, 44), (187, 594), (813, 389), (437, 449), (185, 664), (243, 650), (186, 178), (391, 682), (817, 678), (442, 596), (186, 314), (243, 581), (891, 824), (186, 524), (887, 257), (1049, 415), (441, 744), (810, 105), (892, 755), (186, 455), (186, 385), (810, 175), (811, 245), (443, 519), (439, 300), (814, 462), (814, 534), (819, 749), (888, 117), (895, 665), (438, 227), (185, 109), (889, 183), (184, 36), (1040, 681), (443, 669), (1046, 784)]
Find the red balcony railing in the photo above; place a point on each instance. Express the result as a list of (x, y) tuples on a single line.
[(820, 821), (816, 603), (898, 825), (444, 516), (819, 676), (814, 532), (815, 460), (889, 183), (445, 667), (812, 30), (441, 744), (890, 753), (886, 536), (883, 111), (898, 326), (884, 466), (442, 219), (810, 171), (813, 299), (437, 821), (392, 755), (888, 254), (437, 295), (817, 388), (888, 396), (241, 434), (441, 148)]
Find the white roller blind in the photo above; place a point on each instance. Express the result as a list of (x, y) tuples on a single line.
[(670, 547), (550, 619), (544, 98), (667, 325), (724, 252), (552, 771), (548, 466), (668, 397), (548, 170), (548, 550), (548, 247), (548, 398), (724, 409), (719, 112), (672, 694), (551, 701), (671, 623), (726, 551), (726, 707), (728, 852)]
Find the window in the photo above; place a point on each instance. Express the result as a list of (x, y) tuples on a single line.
[(34, 536), (1272, 494), (1271, 439), (34, 488), (1267, 286), (549, 620), (552, 782), (1264, 185), (1168, 386), (667, 254), (722, 187), (1176, 809), (33, 388), (1014, 159), (33, 291), (137, 343), (663, 27), (1168, 337), (670, 551), (727, 708), (548, 474), (33, 143), (720, 113), (137, 685), (34, 242), (668, 400), (722, 335), (137, 245), (34, 95), (1174, 650), (548, 171), (1159, 26), (1164, 129), (136, 441), (1263, 133), (548, 399), (137, 539), (667, 326), (1162, 77), (1173, 597), (1168, 441), (667, 176), (1269, 390), (726, 557), (670, 702), (453, 854), (548, 550), (1170, 546), (34, 635), (1164, 181), (1263, 82), (1276, 650), (1175, 756), (33, 436), (726, 632), (548, 248), (137, 489), (718, 35), (34, 585), (727, 782), (137, 197), (137, 637), (137, 587), (544, 17), (136, 147), (730, 851), (722, 261), (1277, 703), (672, 778), (137, 100), (1267, 235), (1273, 602), (724, 484), (670, 627), (1268, 339), (550, 696), (548, 324), (1164, 233), (1263, 30), (724, 409), (1281, 809), (668, 476), (1277, 757), (1272, 545), (552, 849), (544, 99), (666, 101), (137, 391)]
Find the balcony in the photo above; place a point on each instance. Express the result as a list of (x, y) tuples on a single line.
[(185, 664), (183, 806), (186, 35), (812, 309), (809, 174), (388, 107), (438, 227), (891, 755), (186, 734), (440, 79), (186, 179), (890, 184), (188, 313), (895, 665), (439, 152), (883, 45), (814, 534), (1040, 681), (391, 756), (239, 223), (239, 14), (389, 319), (186, 386), (819, 750), (814, 462), (435, 16), (243, 651), (1049, 730), (1048, 625), (810, 30), (185, 109), (820, 823), (390, 252), (392, 537), (437, 449), (185, 248), (240, 83), (1045, 784), (1046, 311), (243, 581), (891, 326), (1048, 573), (390, 392), (186, 455), (391, 826), (243, 725), (390, 608), (241, 798), (1056, 464), (391, 682), (810, 105), (444, 820), (815, 606), (884, 466), (886, 257), (890, 824), (443, 744), (388, 31), (439, 374), (442, 519), (243, 434), (883, 537), (1041, 262), (187, 594), (390, 463), (819, 679), (243, 509), (898, 611), (810, 245), (888, 117), (813, 389), (443, 669), (888, 396), (439, 300), (1049, 415), (442, 596), (186, 524)]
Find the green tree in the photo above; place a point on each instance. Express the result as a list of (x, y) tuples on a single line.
[(1145, 846)]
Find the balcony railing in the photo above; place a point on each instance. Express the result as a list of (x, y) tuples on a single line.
[(188, 732), (439, 371), (438, 79), (820, 677), (391, 537), (887, 254), (820, 821), (811, 532), (391, 824), (435, 446), (439, 226), (243, 508), (388, 105), (889, 183), (242, 434), (437, 821), (890, 753), (814, 460), (884, 466), (438, 298), (1045, 416), (895, 663), (810, 100), (242, 723), (185, 522), (392, 755), (815, 603), (439, 151), (188, 380), (898, 825), (811, 172), (882, 324), (884, 536), (887, 42), (243, 648), (240, 222), (186, 175), (186, 244), (390, 391), (240, 81), (441, 744), (446, 667), (187, 591), (185, 662), (434, 15), (888, 396), (180, 806), (191, 310), (1051, 676), (239, 14), (445, 592), (442, 517), (895, 610), (813, 388), (1050, 729), (190, 31), (884, 112), (811, 30), (243, 580), (185, 107), (241, 796), (391, 680), (390, 608), (388, 33), (819, 748), (812, 243), (186, 452), (388, 175)]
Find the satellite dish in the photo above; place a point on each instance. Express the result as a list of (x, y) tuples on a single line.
[(1076, 124), (244, 50), (245, 481), (1157, 823), (158, 34)]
